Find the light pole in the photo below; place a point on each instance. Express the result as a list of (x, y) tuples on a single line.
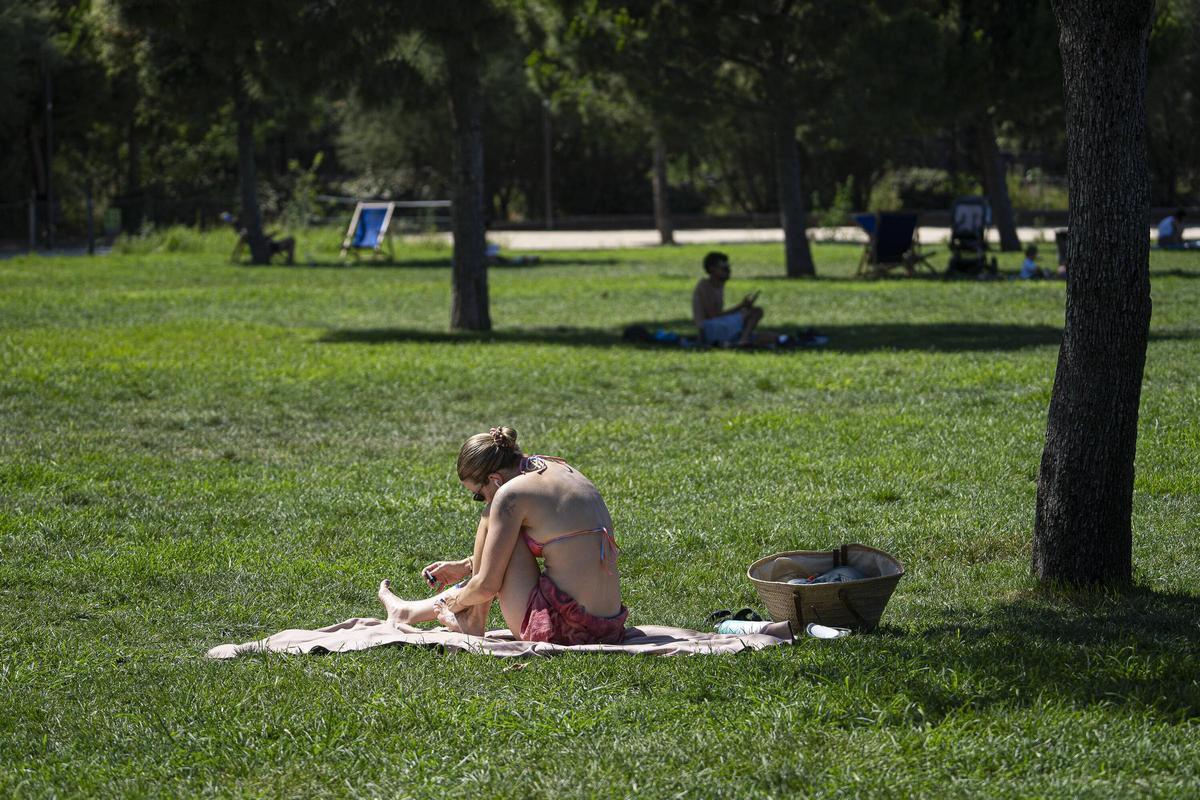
[(546, 175)]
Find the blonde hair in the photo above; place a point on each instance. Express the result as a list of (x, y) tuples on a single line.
[(485, 453)]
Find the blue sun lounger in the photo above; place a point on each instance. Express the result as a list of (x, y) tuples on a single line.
[(369, 230), (892, 243)]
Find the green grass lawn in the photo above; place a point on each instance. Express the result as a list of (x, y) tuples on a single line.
[(193, 452)]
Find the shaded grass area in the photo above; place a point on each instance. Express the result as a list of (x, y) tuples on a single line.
[(193, 452)]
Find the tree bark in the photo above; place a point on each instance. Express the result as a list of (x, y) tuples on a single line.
[(547, 165), (662, 205), (995, 184), (1082, 529), (469, 281), (797, 255), (251, 216), (133, 205), (35, 158)]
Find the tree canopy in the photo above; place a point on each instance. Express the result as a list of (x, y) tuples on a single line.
[(765, 109)]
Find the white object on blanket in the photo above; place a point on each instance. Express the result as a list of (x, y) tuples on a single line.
[(364, 633)]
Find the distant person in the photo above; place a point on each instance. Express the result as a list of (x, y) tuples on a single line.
[(1030, 271), (717, 324), (286, 245), (1170, 230)]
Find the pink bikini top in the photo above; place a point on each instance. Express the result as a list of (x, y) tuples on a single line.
[(608, 545)]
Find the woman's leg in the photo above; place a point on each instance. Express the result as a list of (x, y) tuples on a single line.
[(519, 579), (411, 612), (408, 612)]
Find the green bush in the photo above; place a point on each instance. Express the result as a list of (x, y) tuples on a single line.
[(920, 187), (175, 239), (1033, 191)]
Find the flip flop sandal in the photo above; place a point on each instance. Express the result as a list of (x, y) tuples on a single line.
[(741, 615), (746, 615), (719, 615)]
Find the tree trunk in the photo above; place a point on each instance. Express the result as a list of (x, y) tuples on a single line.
[(1082, 530), (133, 205), (251, 216), (662, 205), (35, 158), (469, 282), (797, 255), (547, 166), (995, 184)]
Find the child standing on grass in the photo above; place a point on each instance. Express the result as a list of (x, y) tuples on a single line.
[(1030, 271)]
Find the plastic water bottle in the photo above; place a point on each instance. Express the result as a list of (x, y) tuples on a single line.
[(742, 626)]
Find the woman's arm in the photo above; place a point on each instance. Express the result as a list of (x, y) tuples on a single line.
[(448, 572), (493, 549)]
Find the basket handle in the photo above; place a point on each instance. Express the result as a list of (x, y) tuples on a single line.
[(844, 596)]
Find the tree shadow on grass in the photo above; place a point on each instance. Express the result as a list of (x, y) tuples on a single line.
[(446, 263), (1138, 649), (939, 337), (943, 337), (1176, 272)]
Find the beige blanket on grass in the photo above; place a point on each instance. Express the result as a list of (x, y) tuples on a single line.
[(363, 633)]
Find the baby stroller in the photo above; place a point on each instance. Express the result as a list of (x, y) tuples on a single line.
[(969, 220)]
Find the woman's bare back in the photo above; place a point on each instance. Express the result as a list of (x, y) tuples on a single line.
[(560, 500)]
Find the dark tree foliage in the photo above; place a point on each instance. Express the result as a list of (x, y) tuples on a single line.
[(630, 62), (780, 61), (58, 111), (1173, 102), (793, 68), (1002, 71), (444, 48), (668, 107), (198, 57), (1082, 532)]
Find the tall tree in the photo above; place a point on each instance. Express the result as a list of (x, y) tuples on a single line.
[(783, 61), (1173, 101), (444, 46), (1082, 530), (1001, 66), (628, 61), (204, 57)]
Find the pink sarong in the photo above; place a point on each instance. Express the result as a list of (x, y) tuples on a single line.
[(554, 616)]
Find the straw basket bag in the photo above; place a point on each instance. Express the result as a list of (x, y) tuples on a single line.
[(850, 604)]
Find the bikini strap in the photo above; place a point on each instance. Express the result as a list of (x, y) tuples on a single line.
[(607, 541)]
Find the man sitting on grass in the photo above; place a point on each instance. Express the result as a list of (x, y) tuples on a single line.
[(717, 324), (286, 245)]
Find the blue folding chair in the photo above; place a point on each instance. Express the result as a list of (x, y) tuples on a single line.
[(369, 230), (892, 242)]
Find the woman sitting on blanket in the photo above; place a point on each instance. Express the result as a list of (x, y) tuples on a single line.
[(537, 507)]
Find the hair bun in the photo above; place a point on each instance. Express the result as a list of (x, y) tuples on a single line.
[(504, 437)]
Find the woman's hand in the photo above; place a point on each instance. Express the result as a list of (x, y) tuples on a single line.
[(443, 573)]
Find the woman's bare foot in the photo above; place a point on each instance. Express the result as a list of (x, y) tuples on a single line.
[(398, 610)]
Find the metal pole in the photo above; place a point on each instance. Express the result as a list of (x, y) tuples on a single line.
[(49, 157), (32, 220), (546, 165), (91, 227)]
